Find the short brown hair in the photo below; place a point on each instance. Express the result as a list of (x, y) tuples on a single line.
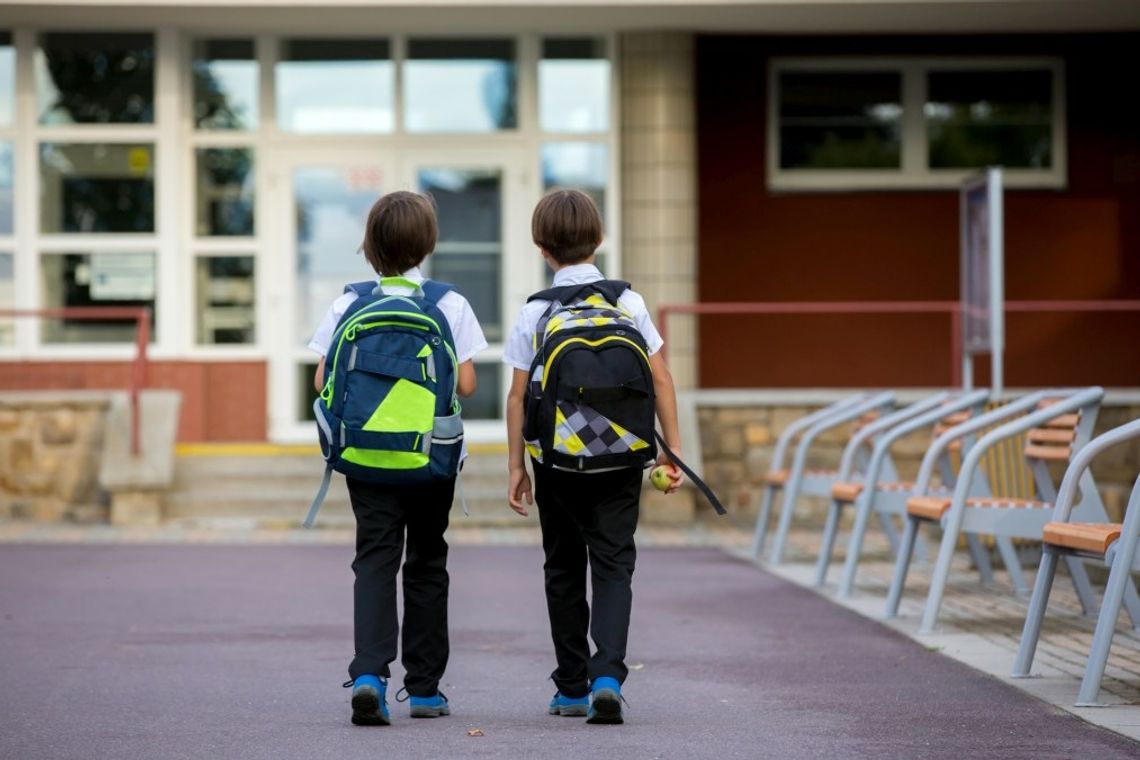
[(400, 232), (566, 224)]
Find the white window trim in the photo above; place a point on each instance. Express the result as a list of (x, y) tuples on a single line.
[(914, 174), (176, 246)]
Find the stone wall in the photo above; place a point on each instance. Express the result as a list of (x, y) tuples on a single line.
[(50, 448), (737, 445)]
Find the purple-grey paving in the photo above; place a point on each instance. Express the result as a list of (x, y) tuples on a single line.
[(131, 652)]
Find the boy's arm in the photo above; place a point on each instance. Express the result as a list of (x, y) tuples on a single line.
[(319, 376), (466, 385), (518, 486), (666, 396)]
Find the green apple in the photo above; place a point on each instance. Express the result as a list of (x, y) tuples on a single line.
[(660, 478)]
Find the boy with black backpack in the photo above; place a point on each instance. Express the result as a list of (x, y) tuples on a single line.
[(394, 357), (588, 381)]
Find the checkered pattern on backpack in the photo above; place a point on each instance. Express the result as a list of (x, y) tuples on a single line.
[(581, 430)]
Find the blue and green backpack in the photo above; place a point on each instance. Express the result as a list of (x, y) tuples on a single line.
[(388, 412)]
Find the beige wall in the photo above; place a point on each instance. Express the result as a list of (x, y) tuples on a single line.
[(659, 180)]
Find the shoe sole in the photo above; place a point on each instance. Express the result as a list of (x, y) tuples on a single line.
[(430, 712), (605, 708), (366, 710), (569, 711)]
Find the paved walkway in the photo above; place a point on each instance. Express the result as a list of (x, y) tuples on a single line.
[(126, 652), (981, 625)]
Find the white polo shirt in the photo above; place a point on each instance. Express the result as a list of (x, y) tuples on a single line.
[(465, 329), (519, 349)]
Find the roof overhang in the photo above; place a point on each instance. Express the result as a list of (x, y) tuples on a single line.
[(766, 16)]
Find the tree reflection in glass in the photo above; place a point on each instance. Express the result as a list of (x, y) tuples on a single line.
[(85, 78)]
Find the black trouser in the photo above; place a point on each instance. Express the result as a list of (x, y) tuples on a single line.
[(592, 515), (382, 514)]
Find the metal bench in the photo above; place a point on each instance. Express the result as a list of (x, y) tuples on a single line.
[(1114, 544), (876, 492), (1058, 424), (798, 480)]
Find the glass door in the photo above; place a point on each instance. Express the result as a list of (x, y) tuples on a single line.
[(483, 205), (322, 198)]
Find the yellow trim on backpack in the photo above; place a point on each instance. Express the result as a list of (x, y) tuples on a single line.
[(593, 343)]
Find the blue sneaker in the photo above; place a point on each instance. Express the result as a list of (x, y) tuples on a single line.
[(605, 701), (568, 707), (430, 707), (369, 703)]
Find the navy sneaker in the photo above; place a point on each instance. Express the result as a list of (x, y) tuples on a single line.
[(369, 703), (430, 707), (605, 701), (568, 707)]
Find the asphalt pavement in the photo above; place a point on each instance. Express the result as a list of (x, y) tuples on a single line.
[(142, 652)]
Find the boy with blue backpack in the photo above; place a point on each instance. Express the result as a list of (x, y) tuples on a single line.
[(395, 356), (588, 382)]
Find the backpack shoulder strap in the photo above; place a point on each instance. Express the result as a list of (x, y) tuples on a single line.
[(361, 289), (611, 289), (434, 291)]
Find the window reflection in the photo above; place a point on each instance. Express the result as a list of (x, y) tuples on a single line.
[(487, 401), (343, 85), (95, 279), (469, 251), (95, 187), (574, 85), (332, 204), (7, 297), (225, 288), (460, 85), (579, 165), (840, 120), (225, 191), (85, 78), (7, 79), (990, 118), (225, 84), (6, 187)]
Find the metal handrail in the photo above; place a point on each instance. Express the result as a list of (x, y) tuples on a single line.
[(141, 316)]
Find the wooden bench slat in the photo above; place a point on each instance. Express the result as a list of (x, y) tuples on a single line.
[(929, 507), (1087, 537), (1064, 421), (1052, 453), (776, 477), (1051, 435), (846, 491)]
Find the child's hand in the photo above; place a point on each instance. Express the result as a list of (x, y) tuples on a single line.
[(672, 470), (517, 489)]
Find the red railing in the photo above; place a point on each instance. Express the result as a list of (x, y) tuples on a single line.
[(953, 309), (139, 315)]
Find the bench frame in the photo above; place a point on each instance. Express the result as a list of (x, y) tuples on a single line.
[(1120, 556), (1012, 522), (813, 426)]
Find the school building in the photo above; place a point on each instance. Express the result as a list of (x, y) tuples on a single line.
[(214, 160)]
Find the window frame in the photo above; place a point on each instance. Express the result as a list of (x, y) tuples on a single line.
[(914, 172)]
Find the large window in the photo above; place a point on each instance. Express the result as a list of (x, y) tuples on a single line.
[(85, 78), (867, 124), (454, 85), (335, 85)]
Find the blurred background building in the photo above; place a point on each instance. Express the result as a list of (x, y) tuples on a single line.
[(214, 161)]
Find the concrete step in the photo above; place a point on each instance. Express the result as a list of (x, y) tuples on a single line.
[(272, 490)]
